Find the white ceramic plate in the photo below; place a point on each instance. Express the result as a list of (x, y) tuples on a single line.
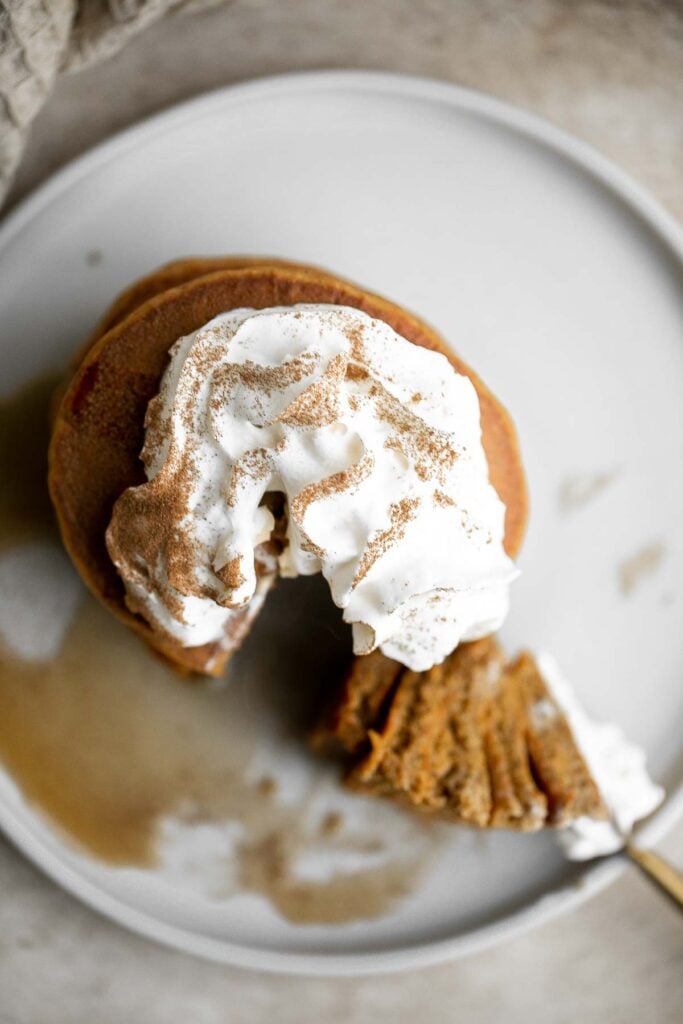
[(555, 276)]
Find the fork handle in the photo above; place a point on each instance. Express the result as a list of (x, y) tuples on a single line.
[(665, 875)]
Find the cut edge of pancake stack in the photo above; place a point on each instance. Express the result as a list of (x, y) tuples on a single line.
[(478, 739)]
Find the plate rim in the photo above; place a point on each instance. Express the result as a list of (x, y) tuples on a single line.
[(596, 875)]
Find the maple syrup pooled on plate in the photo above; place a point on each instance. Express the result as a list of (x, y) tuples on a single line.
[(108, 742)]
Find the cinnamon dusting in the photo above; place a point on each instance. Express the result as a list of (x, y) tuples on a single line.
[(347, 480), (231, 575), (318, 405), (400, 514)]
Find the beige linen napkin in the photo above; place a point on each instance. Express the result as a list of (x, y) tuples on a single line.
[(41, 38)]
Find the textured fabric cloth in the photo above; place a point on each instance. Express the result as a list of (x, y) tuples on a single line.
[(41, 38)]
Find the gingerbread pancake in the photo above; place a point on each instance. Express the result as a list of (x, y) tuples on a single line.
[(99, 423), (479, 740)]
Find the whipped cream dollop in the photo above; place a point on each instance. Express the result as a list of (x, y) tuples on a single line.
[(375, 444), (618, 769)]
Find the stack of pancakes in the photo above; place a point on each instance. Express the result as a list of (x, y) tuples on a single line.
[(98, 431), (477, 739)]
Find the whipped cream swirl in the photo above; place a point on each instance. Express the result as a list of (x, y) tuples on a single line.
[(618, 768), (375, 444)]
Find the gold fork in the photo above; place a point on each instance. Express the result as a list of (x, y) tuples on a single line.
[(668, 878)]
